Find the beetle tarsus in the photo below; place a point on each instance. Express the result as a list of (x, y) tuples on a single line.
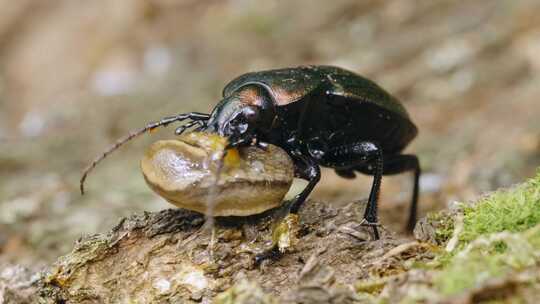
[(373, 225)]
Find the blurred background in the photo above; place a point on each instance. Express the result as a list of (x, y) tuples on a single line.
[(76, 75)]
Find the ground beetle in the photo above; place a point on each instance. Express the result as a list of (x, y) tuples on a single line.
[(322, 116)]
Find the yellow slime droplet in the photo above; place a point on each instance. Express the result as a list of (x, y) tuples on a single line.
[(213, 143), (232, 159)]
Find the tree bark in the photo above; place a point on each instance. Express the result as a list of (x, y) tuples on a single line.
[(166, 257)]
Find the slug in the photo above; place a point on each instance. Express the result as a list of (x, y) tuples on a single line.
[(251, 180)]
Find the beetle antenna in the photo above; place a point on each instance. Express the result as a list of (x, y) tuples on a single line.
[(109, 150), (149, 127)]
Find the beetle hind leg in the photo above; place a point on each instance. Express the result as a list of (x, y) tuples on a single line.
[(400, 163), (346, 158)]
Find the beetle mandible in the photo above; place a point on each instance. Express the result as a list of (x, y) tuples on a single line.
[(321, 116)]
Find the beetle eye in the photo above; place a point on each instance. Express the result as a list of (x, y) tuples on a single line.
[(251, 114)]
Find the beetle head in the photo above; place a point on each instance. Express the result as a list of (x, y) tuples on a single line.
[(244, 116)]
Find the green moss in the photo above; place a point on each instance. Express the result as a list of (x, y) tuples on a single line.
[(511, 210), (533, 237), (498, 242), (501, 236), (489, 257)]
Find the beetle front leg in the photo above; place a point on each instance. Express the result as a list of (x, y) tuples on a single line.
[(306, 168)]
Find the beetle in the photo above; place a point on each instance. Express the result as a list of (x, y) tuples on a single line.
[(321, 116)]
